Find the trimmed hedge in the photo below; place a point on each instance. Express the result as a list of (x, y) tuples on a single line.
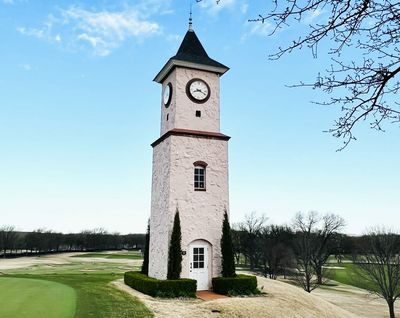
[(183, 287), (238, 285)]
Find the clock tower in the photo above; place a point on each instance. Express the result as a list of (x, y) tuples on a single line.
[(190, 164)]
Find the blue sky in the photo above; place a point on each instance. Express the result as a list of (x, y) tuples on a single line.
[(78, 111)]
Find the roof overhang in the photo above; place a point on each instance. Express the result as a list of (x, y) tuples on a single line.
[(191, 133), (172, 63)]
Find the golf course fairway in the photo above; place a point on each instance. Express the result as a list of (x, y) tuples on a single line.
[(34, 298)]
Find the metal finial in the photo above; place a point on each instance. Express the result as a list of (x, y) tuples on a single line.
[(190, 18)]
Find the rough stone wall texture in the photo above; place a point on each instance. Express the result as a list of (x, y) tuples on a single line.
[(201, 212), (160, 214), (169, 124), (182, 110)]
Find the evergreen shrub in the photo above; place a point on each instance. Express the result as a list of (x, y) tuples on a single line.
[(145, 264), (183, 287), (175, 250), (238, 285), (228, 260)]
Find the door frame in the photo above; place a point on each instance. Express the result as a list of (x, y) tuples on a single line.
[(207, 260)]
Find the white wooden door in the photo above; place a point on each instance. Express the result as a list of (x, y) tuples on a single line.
[(198, 266)]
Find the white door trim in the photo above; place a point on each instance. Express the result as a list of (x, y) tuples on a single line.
[(199, 263)]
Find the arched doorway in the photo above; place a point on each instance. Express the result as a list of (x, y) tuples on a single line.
[(200, 256)]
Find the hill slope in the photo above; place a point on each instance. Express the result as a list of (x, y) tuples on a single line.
[(282, 300)]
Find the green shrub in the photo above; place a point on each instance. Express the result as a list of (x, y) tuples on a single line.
[(160, 288), (175, 250), (145, 264), (238, 285), (228, 260)]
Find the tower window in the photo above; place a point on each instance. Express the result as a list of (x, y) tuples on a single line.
[(200, 176), (167, 117), (198, 113)]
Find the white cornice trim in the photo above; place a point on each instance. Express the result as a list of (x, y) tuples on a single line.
[(173, 63)]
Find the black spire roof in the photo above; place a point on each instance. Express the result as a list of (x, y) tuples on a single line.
[(192, 54), (191, 50)]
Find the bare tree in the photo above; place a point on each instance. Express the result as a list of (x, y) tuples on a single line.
[(252, 227), (8, 237), (276, 250), (323, 243), (312, 246), (372, 30), (379, 265), (303, 248), (365, 86), (237, 241)]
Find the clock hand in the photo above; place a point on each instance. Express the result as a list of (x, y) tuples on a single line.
[(199, 90)]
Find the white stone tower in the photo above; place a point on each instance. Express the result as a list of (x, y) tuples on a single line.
[(190, 165)]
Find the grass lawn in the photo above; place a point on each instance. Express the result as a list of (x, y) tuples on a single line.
[(77, 289), (134, 255), (32, 298), (348, 274)]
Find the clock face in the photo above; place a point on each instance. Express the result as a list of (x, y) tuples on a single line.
[(198, 90), (167, 94)]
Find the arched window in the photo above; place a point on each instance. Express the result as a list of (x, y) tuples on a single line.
[(200, 175)]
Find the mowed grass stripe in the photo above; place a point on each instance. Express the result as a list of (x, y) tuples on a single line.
[(91, 282), (96, 297), (110, 256), (349, 274), (34, 298)]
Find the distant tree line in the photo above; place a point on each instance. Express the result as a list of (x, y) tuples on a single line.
[(15, 243)]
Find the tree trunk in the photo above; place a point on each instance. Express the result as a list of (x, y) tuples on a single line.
[(391, 309), (251, 263), (308, 278), (237, 256), (318, 271)]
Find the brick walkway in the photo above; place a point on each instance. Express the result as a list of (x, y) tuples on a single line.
[(208, 295)]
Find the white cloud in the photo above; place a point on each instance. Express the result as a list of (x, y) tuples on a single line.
[(37, 33), (104, 31), (262, 29), (12, 2), (43, 33), (312, 16), (257, 29), (244, 7), (26, 67), (100, 47), (110, 24), (152, 7), (213, 8), (101, 31), (94, 41)]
